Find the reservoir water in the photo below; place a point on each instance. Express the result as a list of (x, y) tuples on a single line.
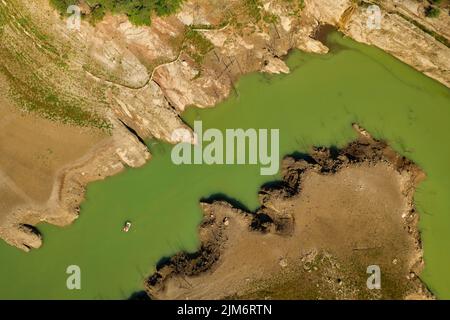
[(314, 105)]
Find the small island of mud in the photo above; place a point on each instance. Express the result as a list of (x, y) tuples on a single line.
[(334, 214)]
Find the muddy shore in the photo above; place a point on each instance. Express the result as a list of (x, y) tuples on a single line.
[(334, 213)]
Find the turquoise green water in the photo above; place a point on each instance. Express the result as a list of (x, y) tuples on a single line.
[(314, 105)]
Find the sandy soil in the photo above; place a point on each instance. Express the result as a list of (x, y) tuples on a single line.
[(33, 153), (313, 237), (32, 150)]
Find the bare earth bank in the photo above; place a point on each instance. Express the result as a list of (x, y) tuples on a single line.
[(334, 214)]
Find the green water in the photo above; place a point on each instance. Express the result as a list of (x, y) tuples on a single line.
[(314, 105)]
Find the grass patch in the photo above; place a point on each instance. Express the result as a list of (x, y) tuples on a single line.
[(196, 45), (33, 97), (295, 6), (30, 59), (270, 18)]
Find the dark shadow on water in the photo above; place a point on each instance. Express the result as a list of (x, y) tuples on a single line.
[(277, 184), (301, 156), (139, 296), (223, 197), (334, 152), (162, 262), (322, 33)]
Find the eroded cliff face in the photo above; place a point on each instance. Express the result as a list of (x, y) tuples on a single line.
[(408, 35), (119, 77)]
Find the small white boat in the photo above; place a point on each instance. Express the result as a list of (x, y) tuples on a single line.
[(127, 226)]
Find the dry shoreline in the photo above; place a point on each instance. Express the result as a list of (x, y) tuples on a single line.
[(172, 86), (282, 250)]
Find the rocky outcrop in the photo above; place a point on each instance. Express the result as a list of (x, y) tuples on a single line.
[(21, 236), (404, 31), (292, 238), (400, 36), (415, 11)]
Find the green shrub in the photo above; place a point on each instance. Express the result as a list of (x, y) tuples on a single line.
[(253, 8), (432, 12), (196, 45)]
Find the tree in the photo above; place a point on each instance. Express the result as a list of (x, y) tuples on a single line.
[(138, 11), (432, 12)]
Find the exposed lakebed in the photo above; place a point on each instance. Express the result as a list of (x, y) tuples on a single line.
[(314, 105)]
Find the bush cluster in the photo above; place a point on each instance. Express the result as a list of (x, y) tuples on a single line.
[(138, 11)]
